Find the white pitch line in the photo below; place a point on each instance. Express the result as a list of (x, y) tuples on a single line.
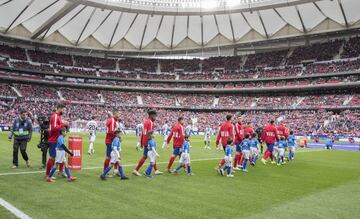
[(15, 211), (131, 165)]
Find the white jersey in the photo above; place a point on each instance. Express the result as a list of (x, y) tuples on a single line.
[(139, 129), (165, 129), (91, 127), (188, 130), (121, 127), (208, 132)]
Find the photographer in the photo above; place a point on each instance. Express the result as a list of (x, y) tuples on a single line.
[(22, 131), (44, 137)]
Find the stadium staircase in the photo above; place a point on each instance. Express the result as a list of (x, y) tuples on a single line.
[(101, 97), (177, 101), (216, 101), (27, 55), (341, 50), (291, 50), (177, 77), (60, 95), (73, 60), (298, 102), (117, 68), (348, 100), (139, 100), (17, 91), (98, 73), (243, 61)]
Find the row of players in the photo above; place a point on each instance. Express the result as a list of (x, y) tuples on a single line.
[(229, 135)]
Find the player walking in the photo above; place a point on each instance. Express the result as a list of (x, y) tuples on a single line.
[(177, 133), (111, 127), (91, 128), (226, 131), (164, 133), (239, 136), (291, 144), (185, 157), (148, 127), (269, 136), (207, 138), (54, 131)]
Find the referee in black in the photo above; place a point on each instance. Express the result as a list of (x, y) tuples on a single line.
[(22, 132)]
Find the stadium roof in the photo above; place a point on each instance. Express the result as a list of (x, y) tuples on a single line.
[(171, 25)]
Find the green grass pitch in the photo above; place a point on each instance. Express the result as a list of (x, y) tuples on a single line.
[(317, 184)]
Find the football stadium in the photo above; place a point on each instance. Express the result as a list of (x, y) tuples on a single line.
[(179, 109)]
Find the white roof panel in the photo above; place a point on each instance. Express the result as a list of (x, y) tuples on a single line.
[(272, 21), (224, 25), (104, 33), (290, 15), (195, 29), (165, 31), (210, 28), (332, 10), (351, 8), (77, 23), (94, 23), (10, 10), (254, 21), (151, 29), (310, 15), (240, 26), (136, 30), (124, 24), (180, 31)]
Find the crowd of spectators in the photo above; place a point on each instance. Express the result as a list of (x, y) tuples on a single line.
[(132, 64), (265, 59), (316, 51), (224, 62), (13, 52), (50, 57), (187, 65), (351, 48), (92, 62)]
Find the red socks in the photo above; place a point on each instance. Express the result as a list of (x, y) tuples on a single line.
[(155, 167), (106, 163), (61, 167), (141, 162), (267, 154), (222, 162), (237, 159), (241, 160), (116, 166), (171, 161), (49, 165)]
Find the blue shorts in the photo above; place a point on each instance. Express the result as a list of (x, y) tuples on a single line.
[(176, 152), (270, 147), (108, 150), (52, 150), (146, 150), (238, 148)]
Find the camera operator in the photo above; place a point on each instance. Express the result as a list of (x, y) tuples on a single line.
[(44, 137), (22, 131)]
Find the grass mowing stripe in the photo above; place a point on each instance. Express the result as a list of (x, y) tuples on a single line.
[(131, 165), (13, 209)]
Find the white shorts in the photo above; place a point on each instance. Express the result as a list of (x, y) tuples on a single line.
[(228, 161), (60, 156), (281, 151), (92, 138), (152, 156), (207, 138), (292, 148), (185, 158), (276, 150), (254, 152), (246, 154), (114, 157), (165, 137)]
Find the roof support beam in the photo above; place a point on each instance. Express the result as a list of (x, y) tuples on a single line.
[(202, 30), (263, 25), (17, 17), (115, 29), (158, 29), (301, 20), (343, 13), (6, 2), (143, 35), (87, 22), (172, 33), (69, 6), (232, 28)]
